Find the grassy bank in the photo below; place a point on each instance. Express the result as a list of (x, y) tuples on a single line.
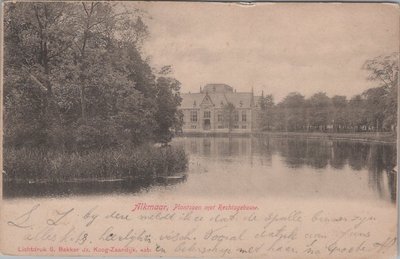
[(381, 137), (40, 166)]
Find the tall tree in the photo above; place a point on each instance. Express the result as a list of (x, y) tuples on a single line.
[(37, 39), (385, 71), (339, 110), (266, 116), (374, 111), (293, 108), (168, 99), (83, 68), (320, 115), (356, 113)]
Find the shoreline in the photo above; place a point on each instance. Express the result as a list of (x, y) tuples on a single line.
[(43, 188), (371, 137), (180, 175)]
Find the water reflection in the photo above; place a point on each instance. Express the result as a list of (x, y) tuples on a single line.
[(346, 164), (257, 167)]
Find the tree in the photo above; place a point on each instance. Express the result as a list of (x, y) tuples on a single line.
[(356, 112), (385, 71), (292, 110), (136, 117), (339, 110), (374, 111), (320, 105), (95, 30), (37, 39), (168, 99), (266, 116), (83, 74)]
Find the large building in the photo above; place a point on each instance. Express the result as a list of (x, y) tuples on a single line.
[(207, 111)]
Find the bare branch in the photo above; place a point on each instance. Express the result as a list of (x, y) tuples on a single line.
[(37, 17), (59, 52), (79, 48), (34, 78), (105, 19), (383, 80), (84, 7)]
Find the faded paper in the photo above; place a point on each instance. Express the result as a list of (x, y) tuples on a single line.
[(255, 186)]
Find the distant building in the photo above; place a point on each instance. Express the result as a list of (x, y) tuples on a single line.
[(206, 111)]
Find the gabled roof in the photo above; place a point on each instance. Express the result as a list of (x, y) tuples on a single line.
[(191, 100), (239, 100), (207, 101), (219, 99)]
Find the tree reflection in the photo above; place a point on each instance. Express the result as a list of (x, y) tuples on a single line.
[(357, 154), (378, 159), (339, 154), (317, 154)]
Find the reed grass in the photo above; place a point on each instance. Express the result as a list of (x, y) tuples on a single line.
[(39, 165)]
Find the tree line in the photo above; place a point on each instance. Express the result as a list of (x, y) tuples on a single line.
[(75, 78), (374, 110)]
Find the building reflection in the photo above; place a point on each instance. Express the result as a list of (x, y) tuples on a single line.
[(219, 147)]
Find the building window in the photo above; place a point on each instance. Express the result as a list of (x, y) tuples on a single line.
[(193, 116), (235, 126), (244, 118), (220, 117), (207, 114), (193, 126), (220, 126), (243, 126), (236, 116)]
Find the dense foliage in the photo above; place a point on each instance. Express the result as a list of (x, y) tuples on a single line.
[(80, 101), (75, 78), (373, 110)]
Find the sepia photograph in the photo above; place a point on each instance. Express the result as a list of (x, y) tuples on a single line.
[(200, 129)]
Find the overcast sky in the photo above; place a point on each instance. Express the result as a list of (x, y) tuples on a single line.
[(278, 48)]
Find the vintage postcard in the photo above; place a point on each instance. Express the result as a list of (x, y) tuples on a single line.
[(199, 129)]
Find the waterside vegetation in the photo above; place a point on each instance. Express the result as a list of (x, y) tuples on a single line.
[(50, 166), (81, 100)]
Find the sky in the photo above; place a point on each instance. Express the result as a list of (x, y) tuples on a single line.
[(276, 48)]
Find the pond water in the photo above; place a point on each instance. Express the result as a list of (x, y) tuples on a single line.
[(246, 167), (280, 167), (341, 181)]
